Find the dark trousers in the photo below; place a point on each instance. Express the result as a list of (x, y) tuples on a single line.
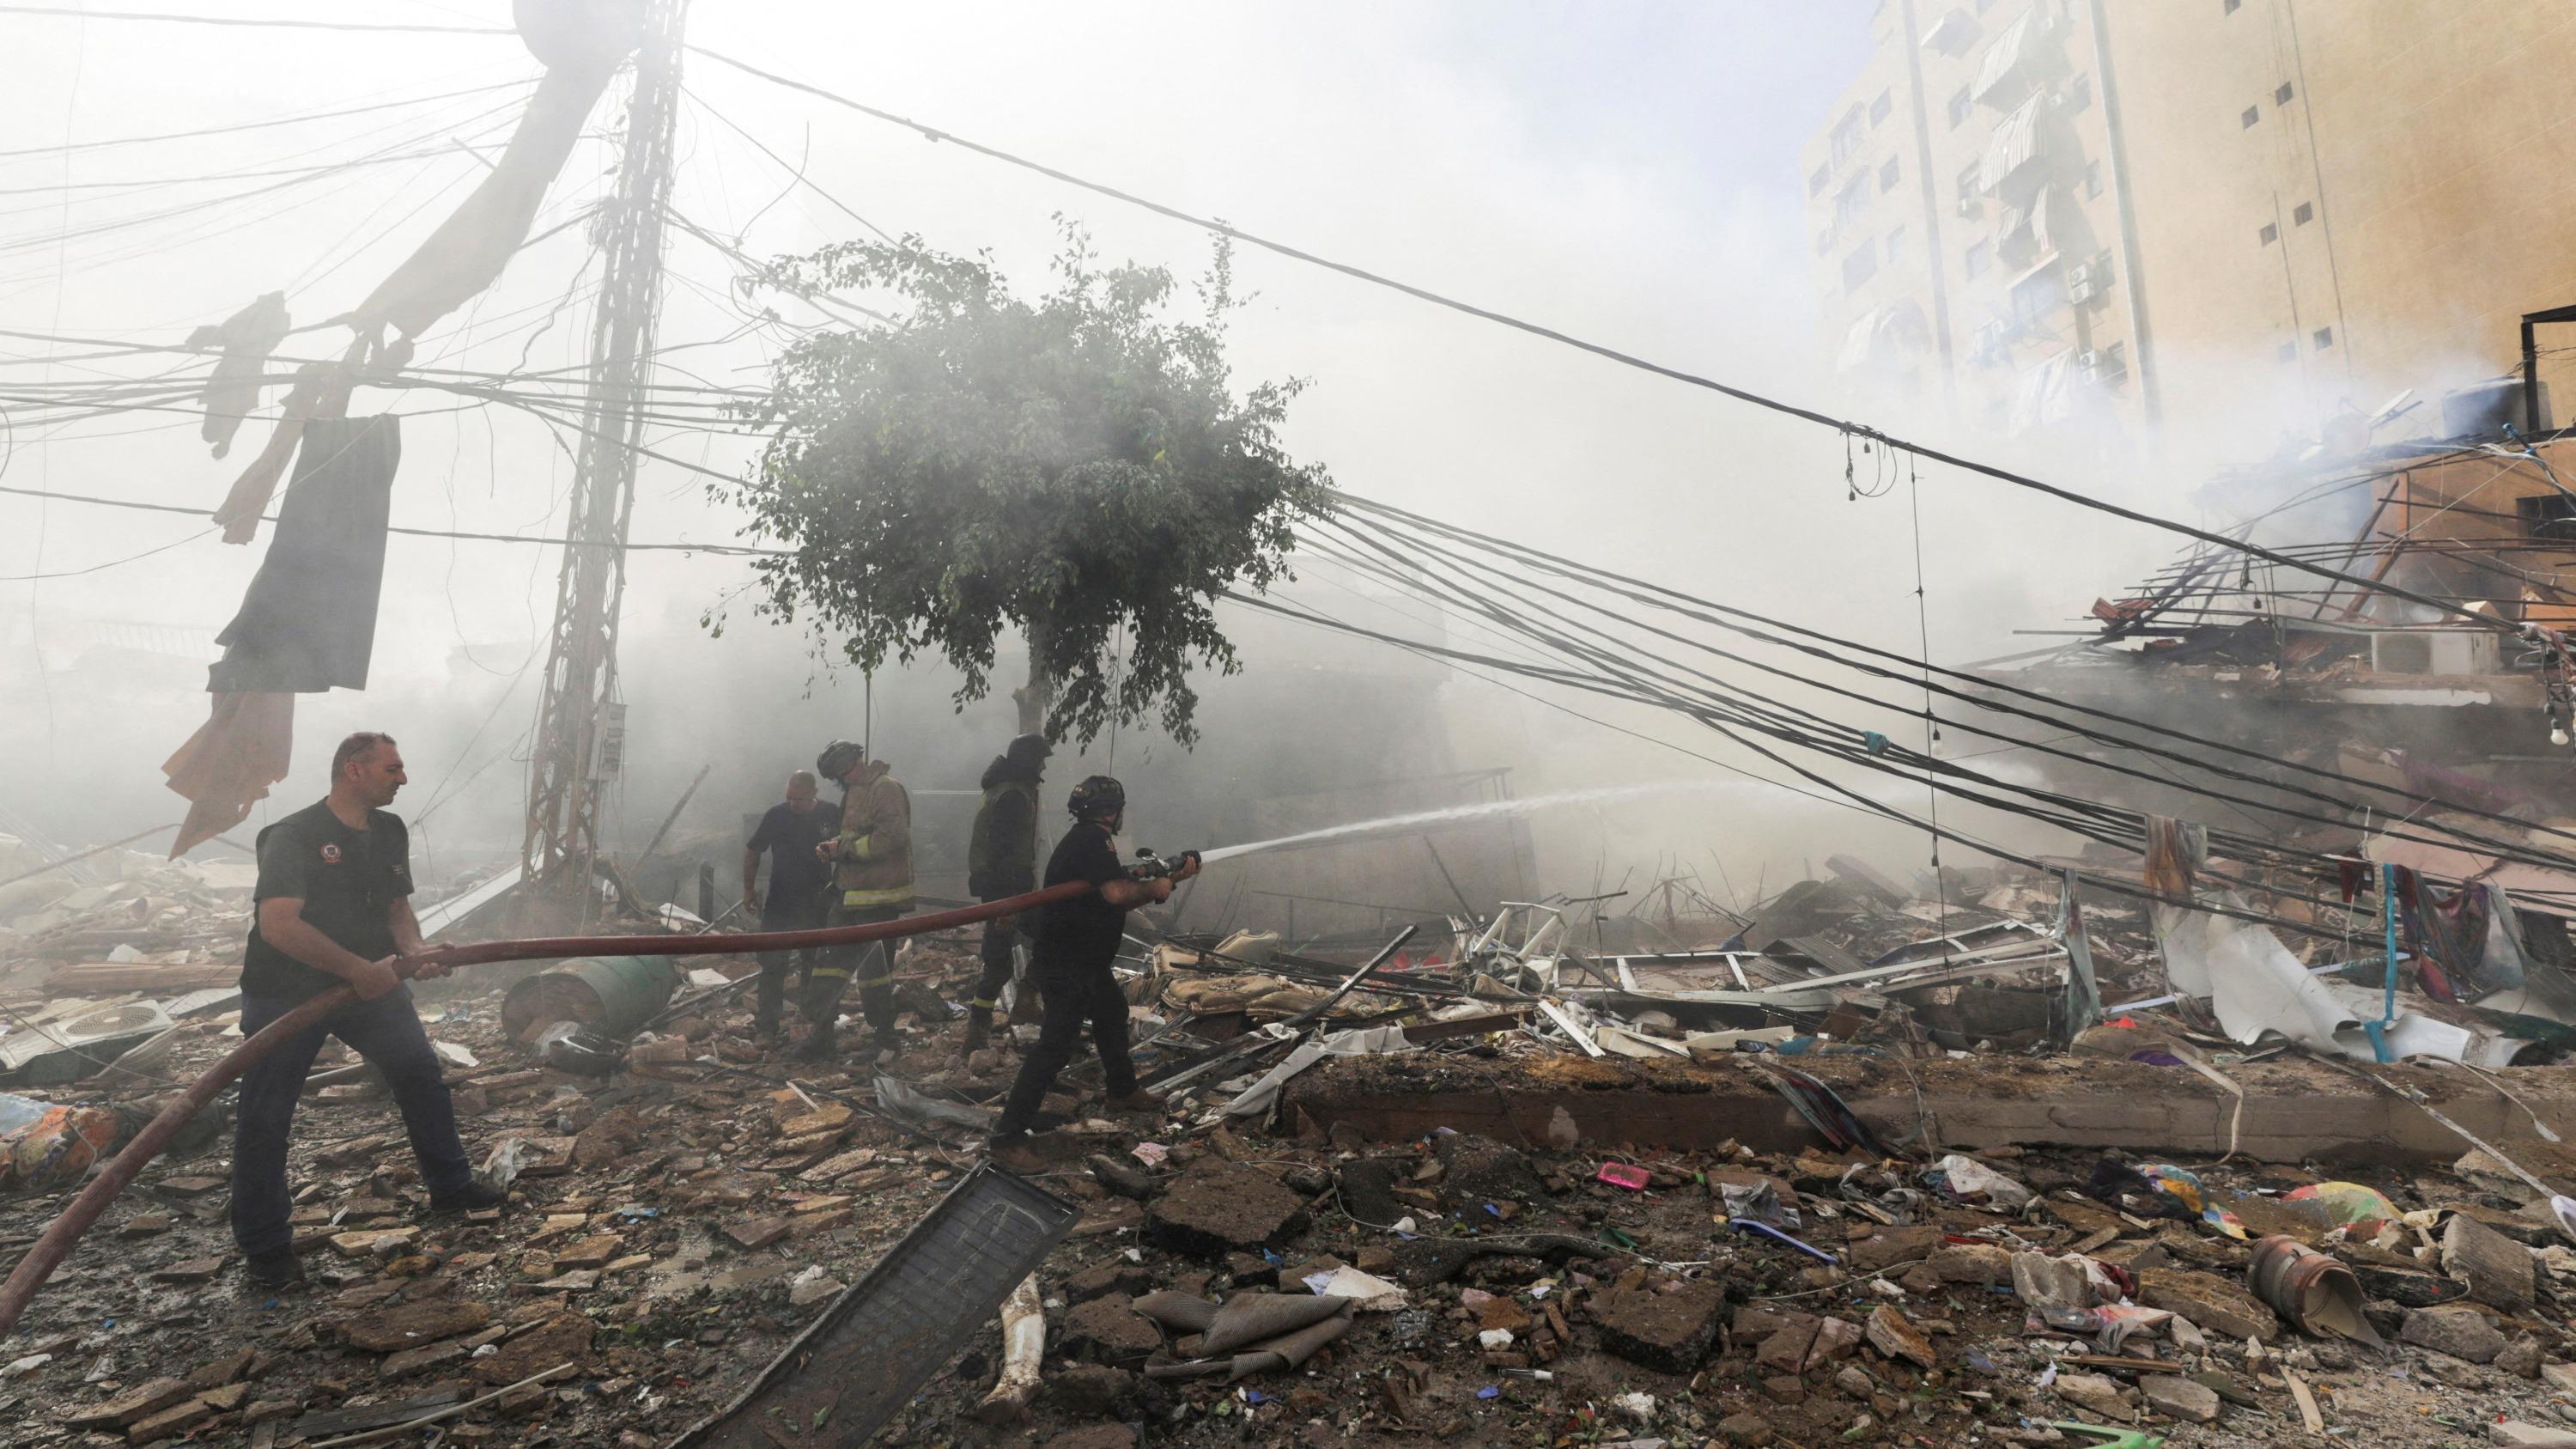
[(828, 975), (784, 915), (1075, 997), (1000, 934), (387, 1033)]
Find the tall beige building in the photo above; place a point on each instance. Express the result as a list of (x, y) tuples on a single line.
[(2180, 210)]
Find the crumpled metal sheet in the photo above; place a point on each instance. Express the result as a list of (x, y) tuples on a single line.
[(2256, 987)]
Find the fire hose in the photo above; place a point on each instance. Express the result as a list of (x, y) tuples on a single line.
[(55, 1243)]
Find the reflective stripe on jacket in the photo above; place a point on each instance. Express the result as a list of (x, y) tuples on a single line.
[(874, 867)]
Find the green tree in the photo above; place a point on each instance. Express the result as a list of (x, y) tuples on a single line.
[(1076, 468)]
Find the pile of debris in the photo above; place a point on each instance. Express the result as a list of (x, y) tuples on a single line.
[(1853, 1162)]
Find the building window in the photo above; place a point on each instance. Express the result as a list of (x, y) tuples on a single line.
[(1887, 174), (1852, 204), (2111, 364), (2281, 97), (2550, 515), (1960, 105), (1824, 241), (1847, 135), (1882, 108), (2039, 295), (2092, 179), (1981, 255), (2252, 114), (1860, 266), (2079, 93), (2306, 212), (2269, 234), (2324, 338), (1816, 184), (1968, 182), (1896, 244), (2289, 352)]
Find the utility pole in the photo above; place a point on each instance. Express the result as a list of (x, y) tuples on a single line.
[(580, 738)]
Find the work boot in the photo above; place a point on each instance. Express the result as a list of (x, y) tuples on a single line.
[(817, 1045), (1020, 1152), (1138, 1101), (979, 1031), (764, 1026), (278, 1272), (883, 1046), (472, 1197)]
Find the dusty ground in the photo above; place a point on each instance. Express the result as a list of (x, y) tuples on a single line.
[(677, 1225)]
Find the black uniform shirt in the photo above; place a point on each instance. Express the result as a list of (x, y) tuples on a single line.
[(348, 881), (796, 878), (1085, 931)]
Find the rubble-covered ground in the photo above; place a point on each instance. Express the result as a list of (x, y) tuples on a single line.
[(677, 1223)]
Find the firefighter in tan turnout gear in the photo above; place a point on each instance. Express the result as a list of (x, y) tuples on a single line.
[(871, 881)]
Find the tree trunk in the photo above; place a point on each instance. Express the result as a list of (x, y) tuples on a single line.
[(1036, 696)]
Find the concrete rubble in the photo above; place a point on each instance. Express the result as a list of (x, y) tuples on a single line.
[(1587, 1196)]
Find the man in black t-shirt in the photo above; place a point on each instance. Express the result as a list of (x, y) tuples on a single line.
[(1071, 953), (333, 907), (797, 900)]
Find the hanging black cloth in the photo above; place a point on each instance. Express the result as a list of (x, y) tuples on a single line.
[(308, 622)]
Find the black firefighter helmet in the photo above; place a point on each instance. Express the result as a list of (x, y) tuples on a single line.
[(837, 758), (1096, 796)]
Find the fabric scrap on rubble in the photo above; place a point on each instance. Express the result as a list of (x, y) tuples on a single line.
[(1263, 1094), (2176, 850), (232, 392), (58, 1148), (2347, 1205), (226, 767), (1250, 1318), (1965, 1178), (2184, 1187), (2111, 1326)]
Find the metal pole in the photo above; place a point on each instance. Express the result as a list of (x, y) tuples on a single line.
[(562, 835)]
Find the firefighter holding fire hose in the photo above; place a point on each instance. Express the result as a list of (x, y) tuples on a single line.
[(871, 881), (1074, 945)]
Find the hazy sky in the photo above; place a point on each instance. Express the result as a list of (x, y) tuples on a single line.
[(1625, 173)]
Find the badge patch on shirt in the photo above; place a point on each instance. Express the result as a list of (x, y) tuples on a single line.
[(331, 852)]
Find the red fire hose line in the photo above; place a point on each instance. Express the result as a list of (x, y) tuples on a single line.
[(55, 1244)]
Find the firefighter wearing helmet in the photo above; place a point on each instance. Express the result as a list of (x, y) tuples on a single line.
[(1072, 949), (871, 863)]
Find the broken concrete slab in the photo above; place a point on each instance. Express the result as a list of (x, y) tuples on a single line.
[(1219, 1207), (2294, 1111), (2177, 1397), (2210, 1302), (2499, 1271), (1476, 1169), (390, 1330), (2462, 1333), (135, 1403), (1668, 1332), (1895, 1336), (1108, 1329)]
